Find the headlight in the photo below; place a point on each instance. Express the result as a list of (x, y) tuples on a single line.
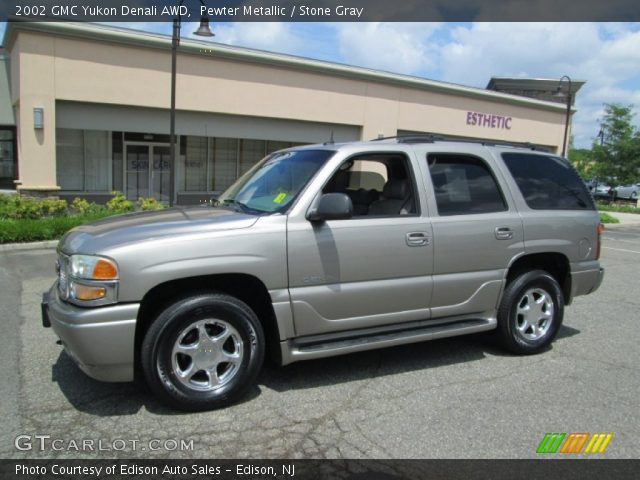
[(88, 280), (93, 268)]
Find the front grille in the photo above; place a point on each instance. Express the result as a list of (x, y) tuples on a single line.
[(63, 276)]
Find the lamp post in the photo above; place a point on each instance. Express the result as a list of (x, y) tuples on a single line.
[(203, 31), (560, 94)]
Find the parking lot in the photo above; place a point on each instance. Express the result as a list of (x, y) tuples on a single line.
[(453, 398)]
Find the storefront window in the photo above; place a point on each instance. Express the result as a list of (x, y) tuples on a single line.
[(251, 152), (97, 161), (70, 159), (116, 155), (83, 159), (274, 146), (7, 158), (224, 163), (194, 165)]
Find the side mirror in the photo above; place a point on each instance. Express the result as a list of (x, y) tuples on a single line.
[(331, 206)]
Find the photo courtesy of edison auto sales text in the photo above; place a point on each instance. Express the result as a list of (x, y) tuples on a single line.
[(135, 469)]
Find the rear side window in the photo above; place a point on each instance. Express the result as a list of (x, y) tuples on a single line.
[(548, 183), (464, 185)]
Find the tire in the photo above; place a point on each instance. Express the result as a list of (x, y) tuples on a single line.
[(634, 196), (203, 352), (523, 330)]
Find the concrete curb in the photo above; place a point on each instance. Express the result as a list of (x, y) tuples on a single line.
[(10, 247)]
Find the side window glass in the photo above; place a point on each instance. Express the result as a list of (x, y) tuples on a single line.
[(368, 174), (547, 182), (464, 185), (378, 185)]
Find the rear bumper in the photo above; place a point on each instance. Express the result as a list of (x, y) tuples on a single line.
[(100, 340), (584, 282)]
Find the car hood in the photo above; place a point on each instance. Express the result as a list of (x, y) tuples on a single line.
[(120, 230)]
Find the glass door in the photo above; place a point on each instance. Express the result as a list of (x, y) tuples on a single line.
[(147, 171), (160, 172), (137, 171)]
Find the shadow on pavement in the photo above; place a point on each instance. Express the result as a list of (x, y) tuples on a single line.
[(110, 399), (117, 399), (378, 363)]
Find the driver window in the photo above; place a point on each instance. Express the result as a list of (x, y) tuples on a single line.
[(377, 186)]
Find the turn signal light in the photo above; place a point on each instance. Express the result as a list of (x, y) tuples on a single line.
[(86, 292), (104, 270)]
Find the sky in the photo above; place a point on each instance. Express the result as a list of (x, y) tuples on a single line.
[(605, 55)]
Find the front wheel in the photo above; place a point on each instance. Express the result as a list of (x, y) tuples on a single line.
[(203, 352), (530, 312)]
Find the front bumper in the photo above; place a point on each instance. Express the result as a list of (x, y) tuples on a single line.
[(100, 339)]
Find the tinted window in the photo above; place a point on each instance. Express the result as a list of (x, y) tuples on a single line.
[(464, 185), (548, 183)]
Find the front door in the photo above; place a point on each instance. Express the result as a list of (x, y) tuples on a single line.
[(147, 171), (370, 270)]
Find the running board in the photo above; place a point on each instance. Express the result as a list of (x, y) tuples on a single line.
[(308, 348)]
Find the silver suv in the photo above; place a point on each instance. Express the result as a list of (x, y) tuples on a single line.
[(326, 250)]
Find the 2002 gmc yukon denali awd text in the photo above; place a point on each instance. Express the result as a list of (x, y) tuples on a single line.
[(325, 250)]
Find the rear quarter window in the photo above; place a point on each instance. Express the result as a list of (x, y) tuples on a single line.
[(548, 182)]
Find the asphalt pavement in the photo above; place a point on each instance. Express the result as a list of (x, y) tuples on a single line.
[(452, 398)]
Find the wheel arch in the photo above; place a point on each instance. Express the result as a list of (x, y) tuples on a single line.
[(247, 288), (555, 263)]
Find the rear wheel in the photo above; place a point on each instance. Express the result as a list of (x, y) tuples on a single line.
[(530, 312), (203, 352)]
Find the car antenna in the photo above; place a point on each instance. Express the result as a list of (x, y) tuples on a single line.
[(331, 141)]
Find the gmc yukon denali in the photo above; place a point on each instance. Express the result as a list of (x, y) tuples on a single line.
[(326, 250)]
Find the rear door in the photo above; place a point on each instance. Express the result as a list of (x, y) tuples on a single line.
[(477, 231)]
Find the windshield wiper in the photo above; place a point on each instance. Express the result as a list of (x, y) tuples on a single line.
[(239, 206)]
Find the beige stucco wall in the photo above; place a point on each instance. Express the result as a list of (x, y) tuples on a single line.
[(63, 68), (35, 59)]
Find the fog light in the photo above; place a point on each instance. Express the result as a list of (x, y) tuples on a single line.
[(86, 292)]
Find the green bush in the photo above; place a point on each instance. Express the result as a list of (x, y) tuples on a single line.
[(51, 207), (149, 203), (613, 207), (17, 207), (606, 218), (49, 228), (119, 204), (80, 205)]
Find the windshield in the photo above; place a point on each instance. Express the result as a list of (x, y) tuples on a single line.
[(274, 182)]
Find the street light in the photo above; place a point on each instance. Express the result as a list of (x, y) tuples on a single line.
[(203, 31), (560, 94)]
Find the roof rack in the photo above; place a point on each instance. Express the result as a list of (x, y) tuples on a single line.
[(431, 138), (416, 138)]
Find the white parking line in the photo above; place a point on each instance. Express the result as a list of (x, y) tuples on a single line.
[(621, 250), (620, 240), (615, 231)]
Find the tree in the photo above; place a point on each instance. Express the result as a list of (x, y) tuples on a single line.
[(616, 154), (582, 161)]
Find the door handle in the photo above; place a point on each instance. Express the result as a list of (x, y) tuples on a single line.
[(417, 239), (504, 233)]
